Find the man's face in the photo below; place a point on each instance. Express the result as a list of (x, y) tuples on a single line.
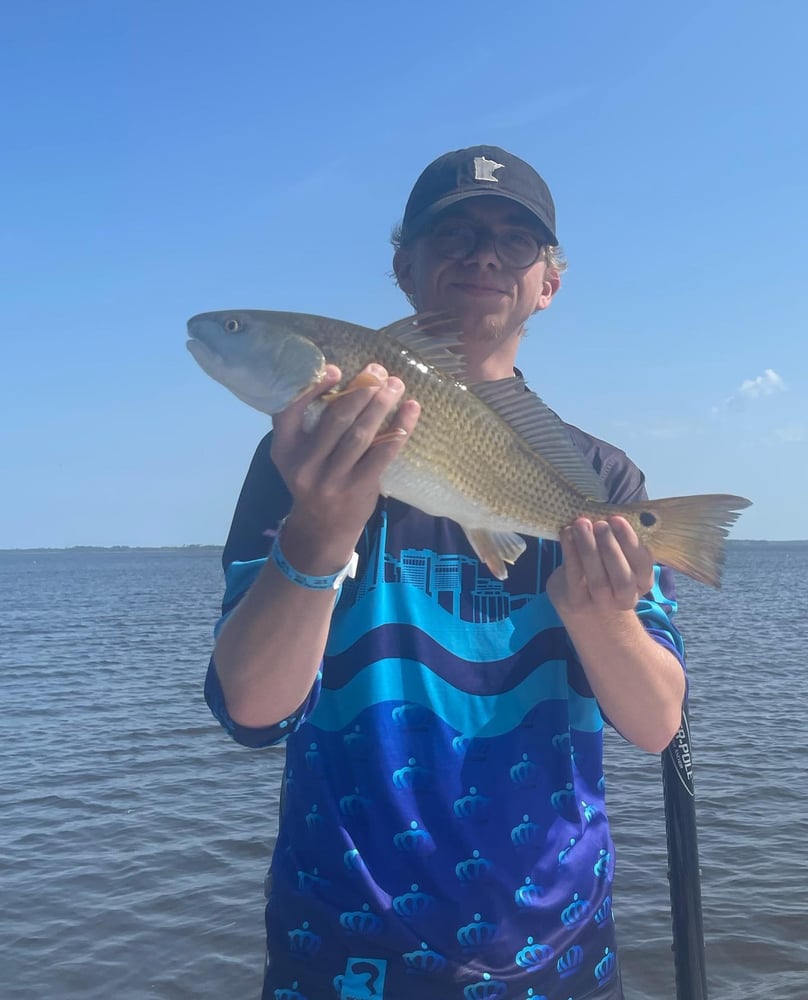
[(492, 300)]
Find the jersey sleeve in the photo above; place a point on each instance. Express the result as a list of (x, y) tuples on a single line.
[(624, 482), (263, 503)]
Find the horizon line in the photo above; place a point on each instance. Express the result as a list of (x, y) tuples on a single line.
[(220, 545)]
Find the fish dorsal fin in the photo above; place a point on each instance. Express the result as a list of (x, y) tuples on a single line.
[(434, 338), (543, 431)]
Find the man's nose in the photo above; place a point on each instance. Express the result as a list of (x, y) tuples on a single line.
[(484, 252)]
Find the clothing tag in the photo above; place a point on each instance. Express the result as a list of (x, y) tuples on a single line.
[(363, 979)]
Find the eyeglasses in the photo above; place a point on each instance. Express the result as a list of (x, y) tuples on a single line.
[(514, 246)]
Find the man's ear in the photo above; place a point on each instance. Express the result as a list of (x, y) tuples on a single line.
[(402, 268), (550, 285)]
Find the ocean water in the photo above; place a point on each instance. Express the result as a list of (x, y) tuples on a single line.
[(134, 835)]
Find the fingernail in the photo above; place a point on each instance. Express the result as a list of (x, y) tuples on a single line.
[(378, 371), (395, 384)]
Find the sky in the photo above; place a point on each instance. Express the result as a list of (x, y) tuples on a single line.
[(166, 158)]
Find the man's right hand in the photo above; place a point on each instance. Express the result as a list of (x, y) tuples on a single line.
[(333, 471)]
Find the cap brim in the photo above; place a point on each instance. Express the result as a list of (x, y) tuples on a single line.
[(418, 224)]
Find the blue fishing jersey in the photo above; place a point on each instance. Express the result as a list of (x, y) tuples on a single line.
[(444, 831)]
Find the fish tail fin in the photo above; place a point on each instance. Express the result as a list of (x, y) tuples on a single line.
[(689, 533)]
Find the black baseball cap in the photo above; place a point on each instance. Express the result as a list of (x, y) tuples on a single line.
[(478, 170)]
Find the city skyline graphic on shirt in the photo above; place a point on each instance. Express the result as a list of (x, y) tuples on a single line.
[(442, 579)]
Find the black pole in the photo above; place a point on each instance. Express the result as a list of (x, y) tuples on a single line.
[(684, 873)]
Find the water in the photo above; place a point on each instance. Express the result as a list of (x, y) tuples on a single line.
[(135, 835)]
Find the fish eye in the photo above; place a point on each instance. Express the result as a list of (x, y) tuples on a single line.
[(232, 325)]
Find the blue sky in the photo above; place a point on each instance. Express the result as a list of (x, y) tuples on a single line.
[(165, 158)]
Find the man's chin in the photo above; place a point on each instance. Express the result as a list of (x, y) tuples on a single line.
[(487, 326)]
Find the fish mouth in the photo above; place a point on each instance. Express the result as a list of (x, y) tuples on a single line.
[(201, 329), (207, 357)]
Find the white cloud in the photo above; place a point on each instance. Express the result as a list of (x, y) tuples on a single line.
[(764, 385), (792, 433)]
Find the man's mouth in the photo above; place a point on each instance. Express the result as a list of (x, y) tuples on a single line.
[(476, 289)]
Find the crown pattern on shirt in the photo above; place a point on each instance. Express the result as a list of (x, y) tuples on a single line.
[(472, 806), (563, 801), (477, 934), (524, 773), (413, 717), (309, 881), (602, 865), (352, 860), (605, 967), (314, 759), (525, 833), (314, 820), (414, 840), (361, 922), (577, 911), (569, 963), (604, 911), (412, 904), (412, 776), (425, 961), (561, 742), (474, 868), (564, 853), (289, 993), (590, 812), (304, 942), (534, 955), (488, 989), (355, 806), (528, 895)]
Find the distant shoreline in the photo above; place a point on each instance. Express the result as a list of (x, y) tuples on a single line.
[(218, 548), (120, 548)]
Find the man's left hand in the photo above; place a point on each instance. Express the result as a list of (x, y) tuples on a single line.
[(605, 568)]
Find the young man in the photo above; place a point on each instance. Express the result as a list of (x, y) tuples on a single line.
[(444, 832)]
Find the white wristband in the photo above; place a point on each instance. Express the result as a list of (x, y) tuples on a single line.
[(331, 582)]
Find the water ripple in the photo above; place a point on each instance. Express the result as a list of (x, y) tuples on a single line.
[(135, 835)]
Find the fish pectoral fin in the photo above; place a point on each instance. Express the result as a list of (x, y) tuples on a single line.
[(363, 380), (316, 408), (394, 435), (496, 548)]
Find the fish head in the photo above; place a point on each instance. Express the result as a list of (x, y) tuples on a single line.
[(256, 355)]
